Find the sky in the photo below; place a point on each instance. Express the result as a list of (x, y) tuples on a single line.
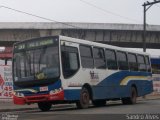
[(92, 11), (96, 11)]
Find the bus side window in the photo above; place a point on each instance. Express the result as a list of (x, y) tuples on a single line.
[(99, 59), (111, 59), (132, 60), (86, 56), (141, 63), (122, 61), (70, 61), (147, 61)]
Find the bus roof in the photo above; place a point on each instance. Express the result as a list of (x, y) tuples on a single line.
[(87, 42)]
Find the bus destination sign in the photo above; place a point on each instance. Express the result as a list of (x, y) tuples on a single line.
[(33, 44), (40, 43)]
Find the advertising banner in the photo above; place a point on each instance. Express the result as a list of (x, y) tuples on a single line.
[(6, 83), (156, 83)]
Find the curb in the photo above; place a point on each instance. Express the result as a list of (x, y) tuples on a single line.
[(34, 108), (16, 109), (151, 97), (146, 99)]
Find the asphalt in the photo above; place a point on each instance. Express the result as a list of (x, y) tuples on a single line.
[(8, 106)]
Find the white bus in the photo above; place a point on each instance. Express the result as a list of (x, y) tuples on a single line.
[(59, 69)]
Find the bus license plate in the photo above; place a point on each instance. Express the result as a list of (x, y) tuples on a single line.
[(44, 88)]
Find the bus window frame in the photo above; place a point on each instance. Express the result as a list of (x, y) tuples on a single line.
[(137, 69), (104, 59), (149, 63), (114, 51), (91, 49), (125, 53), (78, 60), (141, 63)]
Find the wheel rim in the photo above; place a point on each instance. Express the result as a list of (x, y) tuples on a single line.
[(134, 96), (85, 98)]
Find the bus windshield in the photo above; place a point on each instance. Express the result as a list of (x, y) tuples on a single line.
[(38, 63)]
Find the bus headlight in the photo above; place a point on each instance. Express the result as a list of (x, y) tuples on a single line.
[(18, 94), (52, 92)]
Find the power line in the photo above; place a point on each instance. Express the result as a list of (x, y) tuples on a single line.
[(44, 18), (108, 12)]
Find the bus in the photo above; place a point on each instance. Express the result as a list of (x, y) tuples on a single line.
[(59, 69), (155, 63)]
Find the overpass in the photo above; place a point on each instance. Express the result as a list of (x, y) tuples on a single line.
[(125, 35)]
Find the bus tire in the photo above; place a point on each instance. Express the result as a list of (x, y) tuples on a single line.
[(99, 103), (44, 106), (133, 97), (84, 99)]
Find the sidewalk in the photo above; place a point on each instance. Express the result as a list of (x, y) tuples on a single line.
[(9, 106), (149, 97)]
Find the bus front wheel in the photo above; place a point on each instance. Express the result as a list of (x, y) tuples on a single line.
[(84, 99), (44, 106)]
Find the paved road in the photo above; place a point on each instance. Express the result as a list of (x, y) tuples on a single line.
[(70, 112)]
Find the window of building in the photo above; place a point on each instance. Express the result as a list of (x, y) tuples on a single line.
[(141, 63), (99, 59), (70, 61), (86, 56), (122, 60), (132, 60), (111, 59)]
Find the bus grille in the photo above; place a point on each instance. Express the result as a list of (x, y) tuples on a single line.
[(36, 98)]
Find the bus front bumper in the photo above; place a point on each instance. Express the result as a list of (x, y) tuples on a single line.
[(38, 98)]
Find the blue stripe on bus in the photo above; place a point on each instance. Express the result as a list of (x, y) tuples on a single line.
[(108, 92), (72, 94), (110, 87), (116, 78)]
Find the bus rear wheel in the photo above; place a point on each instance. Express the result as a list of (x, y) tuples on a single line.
[(133, 97), (84, 99), (44, 106)]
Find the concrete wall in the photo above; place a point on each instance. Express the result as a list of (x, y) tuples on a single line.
[(116, 34)]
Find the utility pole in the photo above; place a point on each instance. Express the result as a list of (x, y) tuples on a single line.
[(146, 6)]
